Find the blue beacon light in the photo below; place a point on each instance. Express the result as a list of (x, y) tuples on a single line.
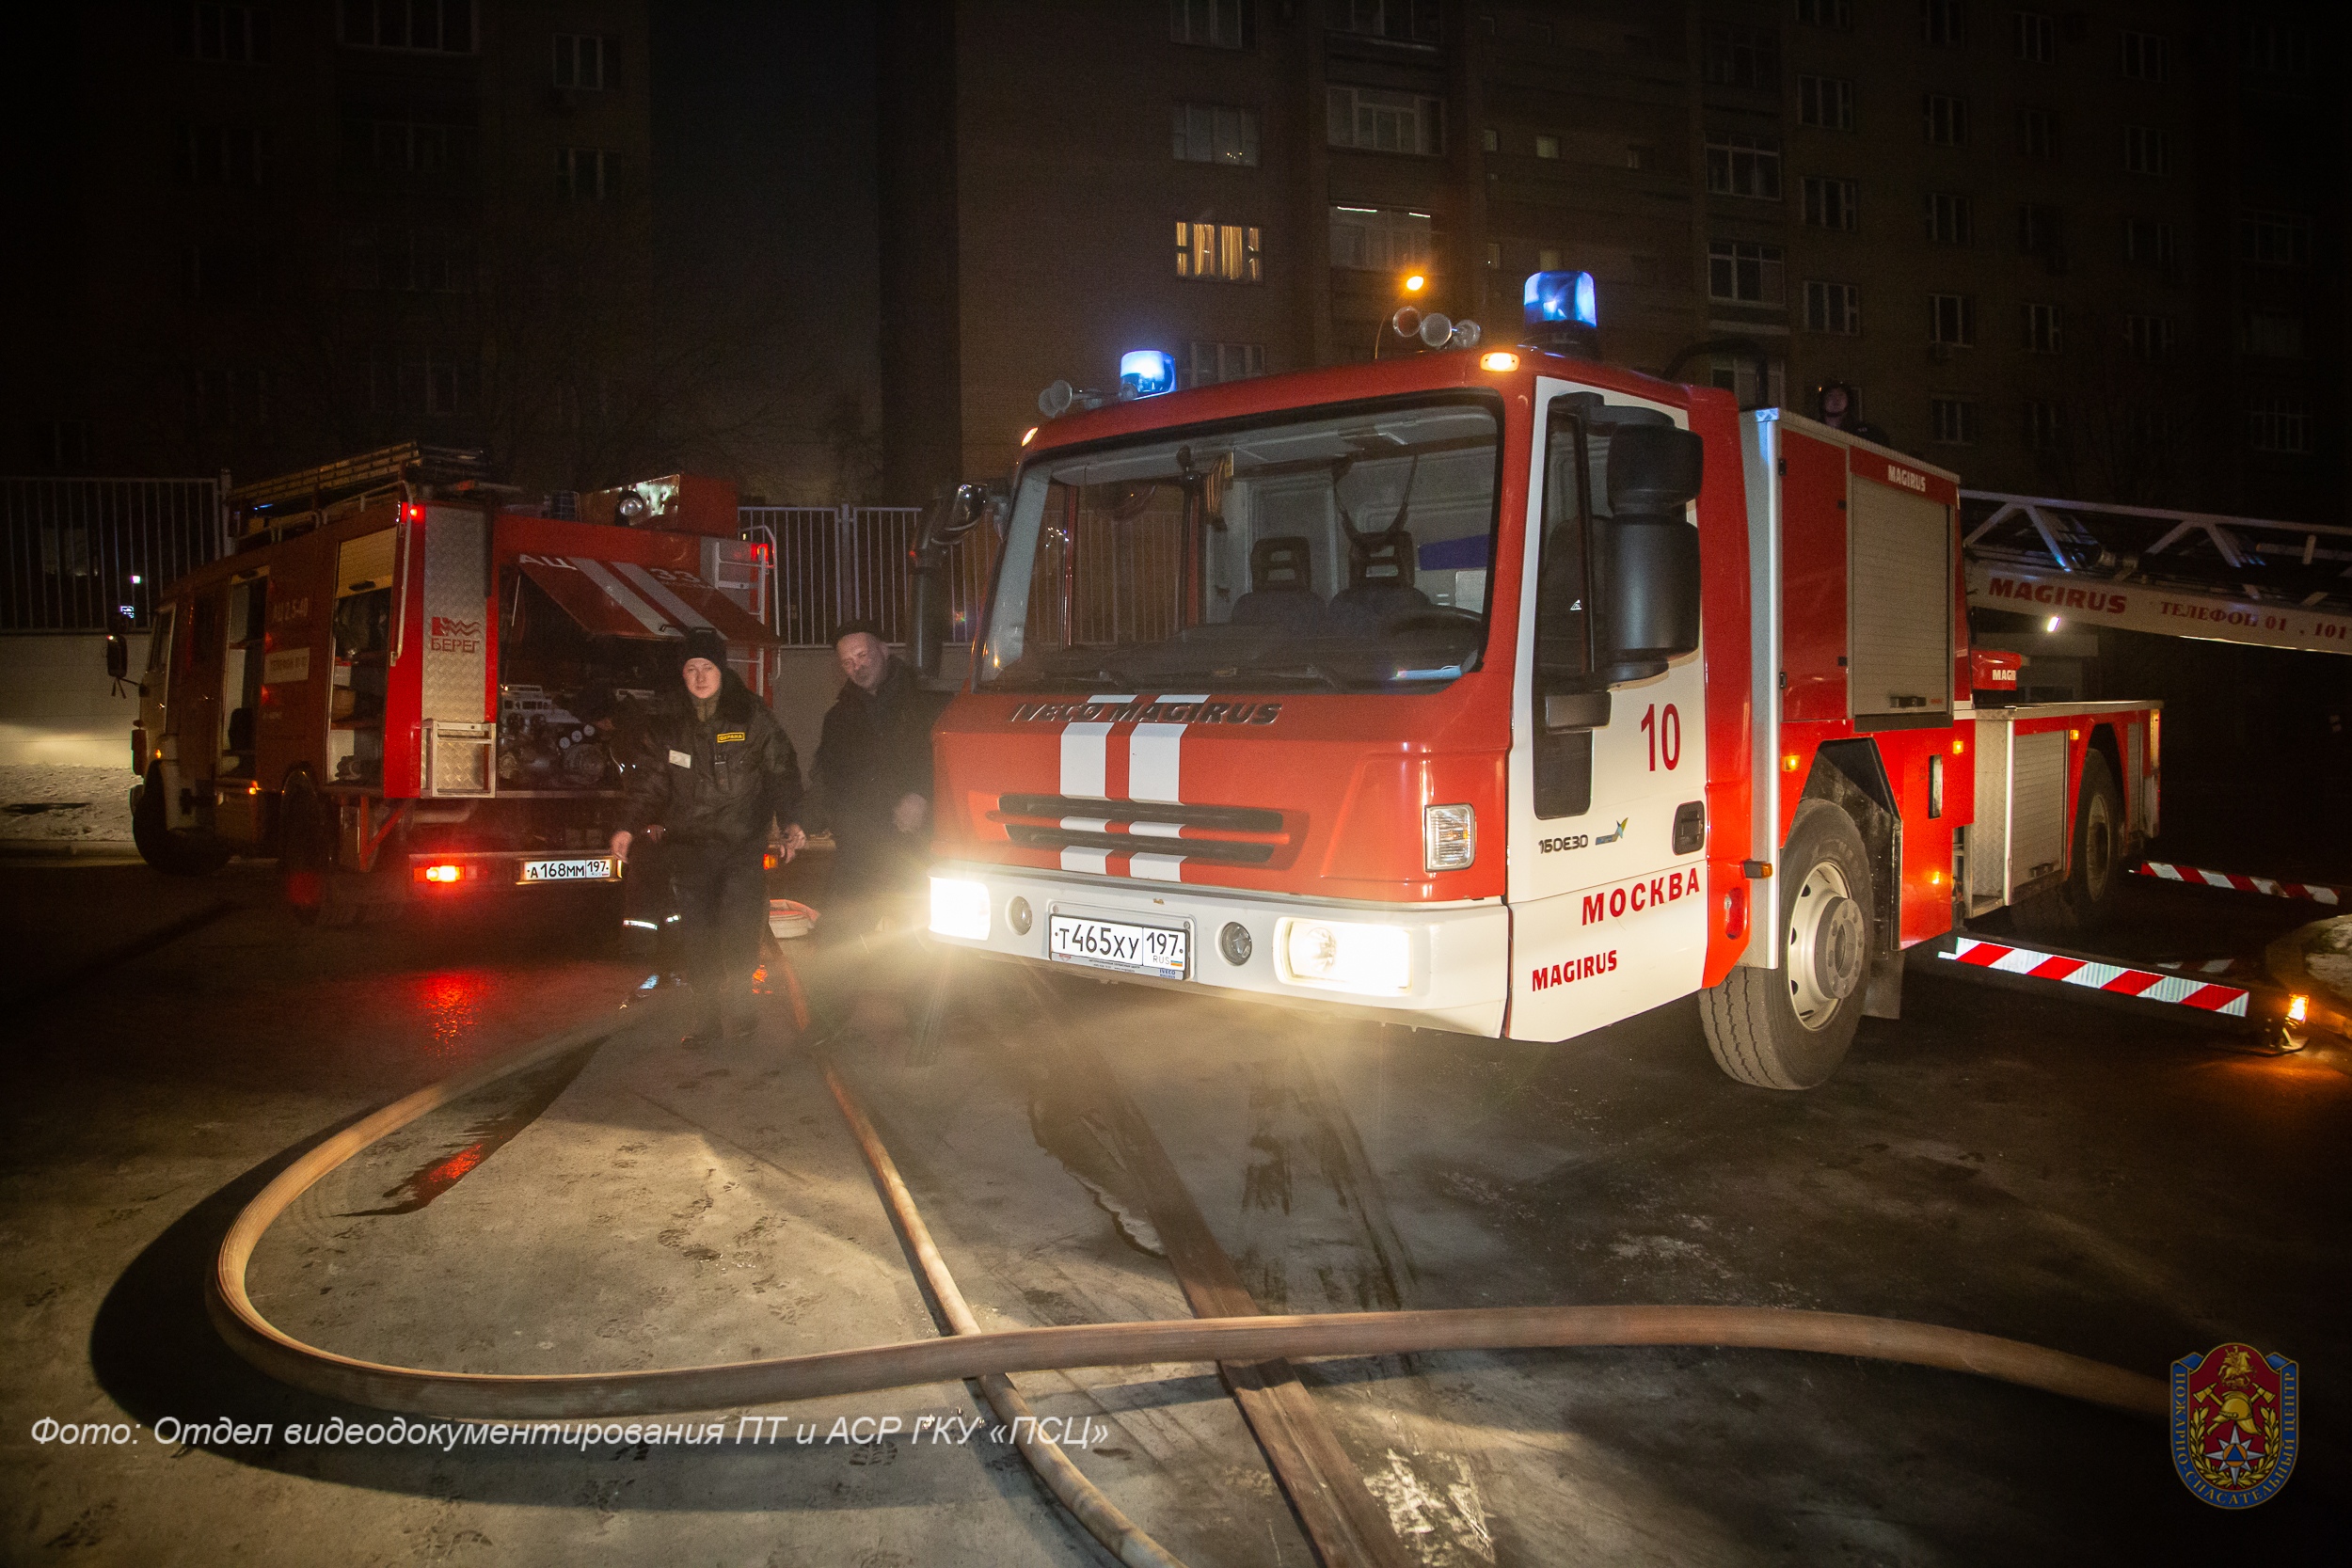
[(1561, 314), (1146, 372)]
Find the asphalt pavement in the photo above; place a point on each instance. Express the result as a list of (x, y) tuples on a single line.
[(2122, 1188)]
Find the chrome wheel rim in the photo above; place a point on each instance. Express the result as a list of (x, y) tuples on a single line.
[(1825, 927)]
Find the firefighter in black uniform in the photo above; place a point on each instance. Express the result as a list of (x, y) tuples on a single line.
[(719, 772), (873, 773)]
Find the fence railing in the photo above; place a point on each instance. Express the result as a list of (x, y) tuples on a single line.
[(80, 555), (835, 566)]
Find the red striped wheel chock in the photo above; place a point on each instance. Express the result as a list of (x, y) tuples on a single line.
[(2311, 892), (2117, 980)]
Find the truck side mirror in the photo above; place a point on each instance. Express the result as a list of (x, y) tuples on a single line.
[(1645, 555), (117, 657)]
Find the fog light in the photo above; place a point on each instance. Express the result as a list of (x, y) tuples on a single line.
[(1448, 837), (959, 909), (1374, 961), (1233, 942), (1018, 913)]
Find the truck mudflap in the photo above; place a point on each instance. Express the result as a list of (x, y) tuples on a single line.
[(2268, 1016)]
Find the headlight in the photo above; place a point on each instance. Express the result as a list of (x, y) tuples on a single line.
[(959, 909), (1448, 837), (1374, 961)]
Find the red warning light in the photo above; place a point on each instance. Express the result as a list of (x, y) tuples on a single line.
[(412, 512), (443, 873)]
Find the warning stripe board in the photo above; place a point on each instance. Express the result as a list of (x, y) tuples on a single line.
[(2314, 892), (2116, 979)]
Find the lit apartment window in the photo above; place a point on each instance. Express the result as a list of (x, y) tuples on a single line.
[(1943, 23), (2038, 134), (1946, 119), (579, 61), (1739, 164), (580, 173), (2146, 150), (1734, 56), (1547, 146), (2148, 241), (1950, 219), (1209, 363), (418, 26), (1825, 14), (228, 33), (2147, 56), (1220, 252), (2275, 239), (1833, 307), (2149, 337), (2044, 426), (1952, 320), (1743, 272), (2041, 329), (220, 154), (1213, 134), (2036, 36), (1952, 422), (1211, 24), (1830, 203), (2271, 334), (1381, 121), (2278, 425), (1826, 102), (1379, 239)]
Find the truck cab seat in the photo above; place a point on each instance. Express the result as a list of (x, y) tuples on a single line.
[(1281, 587)]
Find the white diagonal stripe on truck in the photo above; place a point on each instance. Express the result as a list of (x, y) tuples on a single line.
[(620, 594), (1155, 756), (687, 616)]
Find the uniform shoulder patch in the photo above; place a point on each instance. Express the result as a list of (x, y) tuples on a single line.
[(731, 734)]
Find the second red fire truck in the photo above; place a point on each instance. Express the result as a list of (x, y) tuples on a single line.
[(1510, 693)]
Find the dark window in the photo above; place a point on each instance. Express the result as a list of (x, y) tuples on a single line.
[(2038, 134), (1943, 23), (2044, 329), (2146, 150), (1952, 320), (1414, 21), (2275, 239), (1831, 203), (1211, 24), (1744, 272), (228, 33), (1950, 219), (581, 174), (1825, 14), (220, 155), (1742, 164), (1833, 307), (1826, 102), (1952, 422), (1739, 57), (1946, 119), (1209, 363), (1214, 134), (418, 26), (2147, 56), (580, 61), (2045, 428), (2036, 36)]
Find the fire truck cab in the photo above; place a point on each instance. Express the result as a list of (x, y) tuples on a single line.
[(1510, 693), (402, 681)]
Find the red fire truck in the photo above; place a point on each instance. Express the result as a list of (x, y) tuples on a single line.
[(1511, 693), (404, 681)]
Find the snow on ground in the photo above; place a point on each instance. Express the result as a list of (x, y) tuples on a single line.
[(49, 805)]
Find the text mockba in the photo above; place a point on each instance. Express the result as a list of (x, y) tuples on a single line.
[(1615, 903)]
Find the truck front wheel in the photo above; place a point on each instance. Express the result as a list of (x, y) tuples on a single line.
[(1788, 1027), (173, 854)]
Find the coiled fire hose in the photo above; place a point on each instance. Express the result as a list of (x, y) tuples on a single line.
[(491, 1396)]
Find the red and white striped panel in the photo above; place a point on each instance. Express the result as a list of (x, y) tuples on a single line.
[(2314, 893), (2144, 984)]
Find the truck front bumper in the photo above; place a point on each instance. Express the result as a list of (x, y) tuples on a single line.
[(1443, 967)]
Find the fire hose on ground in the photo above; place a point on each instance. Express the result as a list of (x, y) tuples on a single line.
[(989, 1355)]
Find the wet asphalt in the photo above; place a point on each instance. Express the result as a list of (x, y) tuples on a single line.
[(2123, 1188)]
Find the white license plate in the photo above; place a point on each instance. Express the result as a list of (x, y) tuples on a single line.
[(598, 869), (1155, 950)]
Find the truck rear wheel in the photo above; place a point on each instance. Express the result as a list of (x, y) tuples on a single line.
[(1788, 1027), (2094, 861), (173, 854)]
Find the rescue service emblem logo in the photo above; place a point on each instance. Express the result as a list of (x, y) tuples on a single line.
[(2233, 1425)]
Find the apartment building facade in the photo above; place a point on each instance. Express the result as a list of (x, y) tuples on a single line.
[(2081, 250), (266, 234)]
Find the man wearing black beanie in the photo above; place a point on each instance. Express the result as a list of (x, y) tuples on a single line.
[(719, 778)]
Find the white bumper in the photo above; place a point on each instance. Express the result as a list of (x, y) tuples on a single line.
[(1459, 953)]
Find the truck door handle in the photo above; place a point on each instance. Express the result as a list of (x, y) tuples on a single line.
[(1690, 827)]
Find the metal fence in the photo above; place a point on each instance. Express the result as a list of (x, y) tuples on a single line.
[(839, 565), (78, 555)]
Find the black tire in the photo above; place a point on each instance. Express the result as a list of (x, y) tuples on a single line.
[(1788, 1027), (2094, 861), (173, 854), (305, 847)]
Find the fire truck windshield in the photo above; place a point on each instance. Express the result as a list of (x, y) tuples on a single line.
[(1335, 550)]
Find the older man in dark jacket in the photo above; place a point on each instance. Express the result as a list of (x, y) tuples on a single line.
[(720, 775), (873, 772)]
